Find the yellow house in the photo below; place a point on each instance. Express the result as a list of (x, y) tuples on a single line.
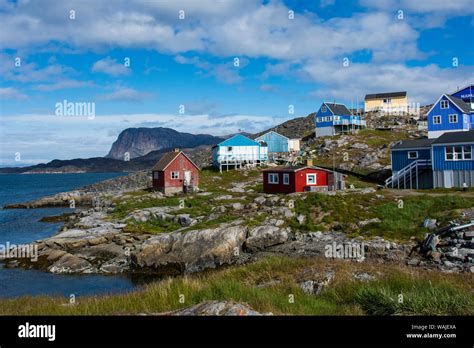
[(395, 102)]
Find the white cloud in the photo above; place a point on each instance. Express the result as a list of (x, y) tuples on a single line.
[(10, 93), (423, 84), (63, 84), (227, 72), (111, 67), (125, 94)]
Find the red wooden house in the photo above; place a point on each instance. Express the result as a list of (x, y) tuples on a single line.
[(301, 179), (175, 172)]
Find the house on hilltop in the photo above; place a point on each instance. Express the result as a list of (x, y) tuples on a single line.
[(392, 102), (332, 119), (175, 172), (452, 113)]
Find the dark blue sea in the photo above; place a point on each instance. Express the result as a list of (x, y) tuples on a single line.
[(21, 226)]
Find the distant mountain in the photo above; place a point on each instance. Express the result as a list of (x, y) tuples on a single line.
[(153, 142), (201, 155), (141, 141)]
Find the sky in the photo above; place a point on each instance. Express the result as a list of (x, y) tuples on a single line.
[(212, 66)]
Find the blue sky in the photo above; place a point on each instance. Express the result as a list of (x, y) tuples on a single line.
[(390, 46)]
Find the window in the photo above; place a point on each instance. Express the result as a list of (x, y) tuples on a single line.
[(458, 153), (286, 179), (453, 118), (436, 119), (467, 152), (174, 175), (324, 108), (412, 154), (444, 104), (272, 178), (229, 148), (311, 179), (387, 101), (156, 175)]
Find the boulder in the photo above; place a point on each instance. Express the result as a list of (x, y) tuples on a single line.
[(262, 237), (69, 263), (193, 251), (218, 308)]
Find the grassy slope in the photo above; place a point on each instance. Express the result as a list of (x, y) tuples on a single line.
[(423, 293)]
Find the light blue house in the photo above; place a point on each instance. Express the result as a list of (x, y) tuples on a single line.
[(332, 119), (238, 151), (452, 113), (445, 162), (278, 143)]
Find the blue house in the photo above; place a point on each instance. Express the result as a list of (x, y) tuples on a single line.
[(411, 164), (451, 113), (278, 143), (238, 151), (431, 163), (452, 160), (332, 119)]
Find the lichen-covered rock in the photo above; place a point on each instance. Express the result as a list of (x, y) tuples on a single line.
[(218, 308), (193, 251), (262, 237)]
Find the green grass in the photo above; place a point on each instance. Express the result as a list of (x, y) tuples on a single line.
[(213, 181), (212, 223), (406, 221), (343, 212), (447, 294), (152, 226), (123, 208)]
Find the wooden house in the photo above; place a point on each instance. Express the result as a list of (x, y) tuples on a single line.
[(332, 119), (238, 151), (451, 113), (301, 179), (392, 102), (278, 143), (444, 162), (174, 173)]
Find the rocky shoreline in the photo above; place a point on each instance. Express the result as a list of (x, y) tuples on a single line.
[(93, 241)]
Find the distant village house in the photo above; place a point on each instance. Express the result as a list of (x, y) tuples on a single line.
[(278, 143), (332, 119), (393, 102), (174, 173), (452, 113)]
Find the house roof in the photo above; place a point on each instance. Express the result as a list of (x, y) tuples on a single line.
[(461, 104), (338, 109), (456, 137), (278, 134), (292, 169), (471, 87), (413, 144), (238, 140), (385, 95), (168, 158)]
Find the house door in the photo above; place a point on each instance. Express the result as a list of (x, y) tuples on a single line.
[(187, 177), (448, 179)]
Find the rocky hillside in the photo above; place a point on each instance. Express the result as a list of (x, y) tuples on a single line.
[(141, 141), (299, 127)]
